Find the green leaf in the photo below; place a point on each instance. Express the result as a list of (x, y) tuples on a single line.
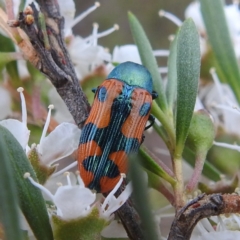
[(30, 198), (188, 71), (171, 87), (9, 216), (148, 60), (148, 163), (22, 5), (208, 169), (6, 45), (141, 199), (219, 37), (6, 58)]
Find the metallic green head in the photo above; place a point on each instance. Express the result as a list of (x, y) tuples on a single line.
[(133, 74)]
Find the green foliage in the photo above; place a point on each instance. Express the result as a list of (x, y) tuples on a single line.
[(9, 216), (86, 228), (148, 60), (153, 167), (219, 38), (30, 198), (188, 72), (6, 46), (141, 199)]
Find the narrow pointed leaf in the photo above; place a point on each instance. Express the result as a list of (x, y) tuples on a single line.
[(141, 199), (6, 45), (188, 71), (9, 216), (171, 88), (30, 198), (148, 163), (219, 37), (148, 60)]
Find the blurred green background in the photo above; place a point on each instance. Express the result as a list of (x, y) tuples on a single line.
[(115, 11)]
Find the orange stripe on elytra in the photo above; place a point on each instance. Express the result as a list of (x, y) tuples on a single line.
[(120, 159), (107, 184), (86, 176), (101, 111), (134, 125), (87, 150)]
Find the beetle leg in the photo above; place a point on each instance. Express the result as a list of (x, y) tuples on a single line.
[(94, 90), (143, 137), (151, 119), (154, 95)]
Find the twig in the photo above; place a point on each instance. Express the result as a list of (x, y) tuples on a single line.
[(55, 61), (202, 207)]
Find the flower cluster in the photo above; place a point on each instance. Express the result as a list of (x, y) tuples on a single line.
[(72, 205)]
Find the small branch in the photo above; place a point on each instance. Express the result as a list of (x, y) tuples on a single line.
[(55, 62), (131, 220), (178, 188), (202, 207)]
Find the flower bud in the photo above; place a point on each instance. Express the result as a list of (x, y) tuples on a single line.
[(200, 139)]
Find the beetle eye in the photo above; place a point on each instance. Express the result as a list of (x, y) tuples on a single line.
[(102, 94), (145, 108)]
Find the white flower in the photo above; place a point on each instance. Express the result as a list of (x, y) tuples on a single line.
[(126, 53), (75, 201), (72, 201), (233, 20), (85, 53), (220, 101), (60, 143), (111, 203), (17, 128), (228, 228)]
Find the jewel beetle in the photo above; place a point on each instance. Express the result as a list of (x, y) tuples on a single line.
[(115, 125)]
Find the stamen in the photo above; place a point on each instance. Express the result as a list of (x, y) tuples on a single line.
[(217, 83), (226, 145), (161, 53), (171, 37), (80, 181), (74, 164), (114, 203), (171, 17), (221, 224), (66, 174), (109, 31), (104, 33), (111, 194), (236, 218), (84, 14), (207, 225), (23, 104), (94, 34), (50, 107), (233, 109), (45, 190)]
